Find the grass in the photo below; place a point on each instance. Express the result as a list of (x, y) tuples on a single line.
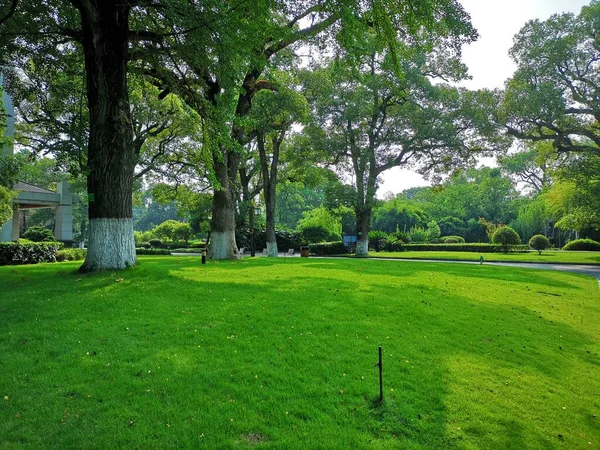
[(264, 353), (550, 256)]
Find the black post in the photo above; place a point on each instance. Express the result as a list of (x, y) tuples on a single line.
[(251, 230), (204, 255), (380, 376)]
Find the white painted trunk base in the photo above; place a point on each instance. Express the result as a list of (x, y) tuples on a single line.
[(222, 245), (362, 248), (110, 245), (272, 250)]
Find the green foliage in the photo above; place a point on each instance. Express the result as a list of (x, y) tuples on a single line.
[(506, 236), (71, 254), (583, 244), (319, 225), (155, 242), (317, 233), (466, 247), (6, 205), (378, 240), (453, 240), (539, 242), (328, 248), (143, 236), (39, 234), (152, 251), (398, 214), (171, 230), (13, 253)]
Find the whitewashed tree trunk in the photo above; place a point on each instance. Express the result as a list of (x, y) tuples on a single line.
[(223, 245), (272, 250), (110, 246), (362, 247)]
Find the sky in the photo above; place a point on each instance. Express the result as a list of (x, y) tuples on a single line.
[(487, 58)]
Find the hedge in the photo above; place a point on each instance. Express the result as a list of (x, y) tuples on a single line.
[(14, 253), (71, 254), (583, 244), (468, 247), (152, 251), (328, 248)]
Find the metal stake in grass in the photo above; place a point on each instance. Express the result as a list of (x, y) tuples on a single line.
[(380, 364)]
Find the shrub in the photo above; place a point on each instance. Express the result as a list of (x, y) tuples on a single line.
[(400, 236), (418, 234), (539, 242), (453, 240), (583, 244), (145, 245), (378, 240), (39, 234), (13, 253), (505, 236), (317, 233), (143, 236), (71, 254), (328, 248), (155, 242)]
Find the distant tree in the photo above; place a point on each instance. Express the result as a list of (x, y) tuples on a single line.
[(553, 95)]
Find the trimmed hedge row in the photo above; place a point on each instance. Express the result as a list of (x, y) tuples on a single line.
[(328, 248), (14, 253), (152, 251), (469, 247), (71, 254)]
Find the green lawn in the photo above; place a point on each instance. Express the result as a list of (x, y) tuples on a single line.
[(267, 353), (556, 256)]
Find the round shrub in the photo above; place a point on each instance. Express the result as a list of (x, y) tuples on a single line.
[(506, 236), (539, 242), (145, 245), (450, 240), (39, 234), (155, 242), (584, 245)]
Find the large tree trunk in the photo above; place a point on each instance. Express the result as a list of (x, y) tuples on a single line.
[(222, 235), (270, 187), (111, 155), (363, 222)]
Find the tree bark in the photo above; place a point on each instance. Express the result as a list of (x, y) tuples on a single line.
[(223, 244), (270, 187), (111, 155)]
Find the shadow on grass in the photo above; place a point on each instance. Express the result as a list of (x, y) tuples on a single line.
[(294, 350)]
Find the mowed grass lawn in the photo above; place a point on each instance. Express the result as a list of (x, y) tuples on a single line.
[(267, 353), (550, 256)]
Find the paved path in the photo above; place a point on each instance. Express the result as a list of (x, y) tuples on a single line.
[(587, 269)]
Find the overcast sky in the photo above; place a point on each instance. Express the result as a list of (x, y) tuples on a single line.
[(487, 58)]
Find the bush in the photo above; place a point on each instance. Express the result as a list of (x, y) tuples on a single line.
[(317, 233), (155, 242), (143, 236), (400, 236), (378, 240), (583, 244), (328, 248), (145, 245), (71, 254), (39, 234), (505, 236), (539, 242), (453, 240), (13, 253)]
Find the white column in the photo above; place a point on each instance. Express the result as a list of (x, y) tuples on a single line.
[(15, 224), (63, 229)]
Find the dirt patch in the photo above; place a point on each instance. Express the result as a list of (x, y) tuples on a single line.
[(254, 438)]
